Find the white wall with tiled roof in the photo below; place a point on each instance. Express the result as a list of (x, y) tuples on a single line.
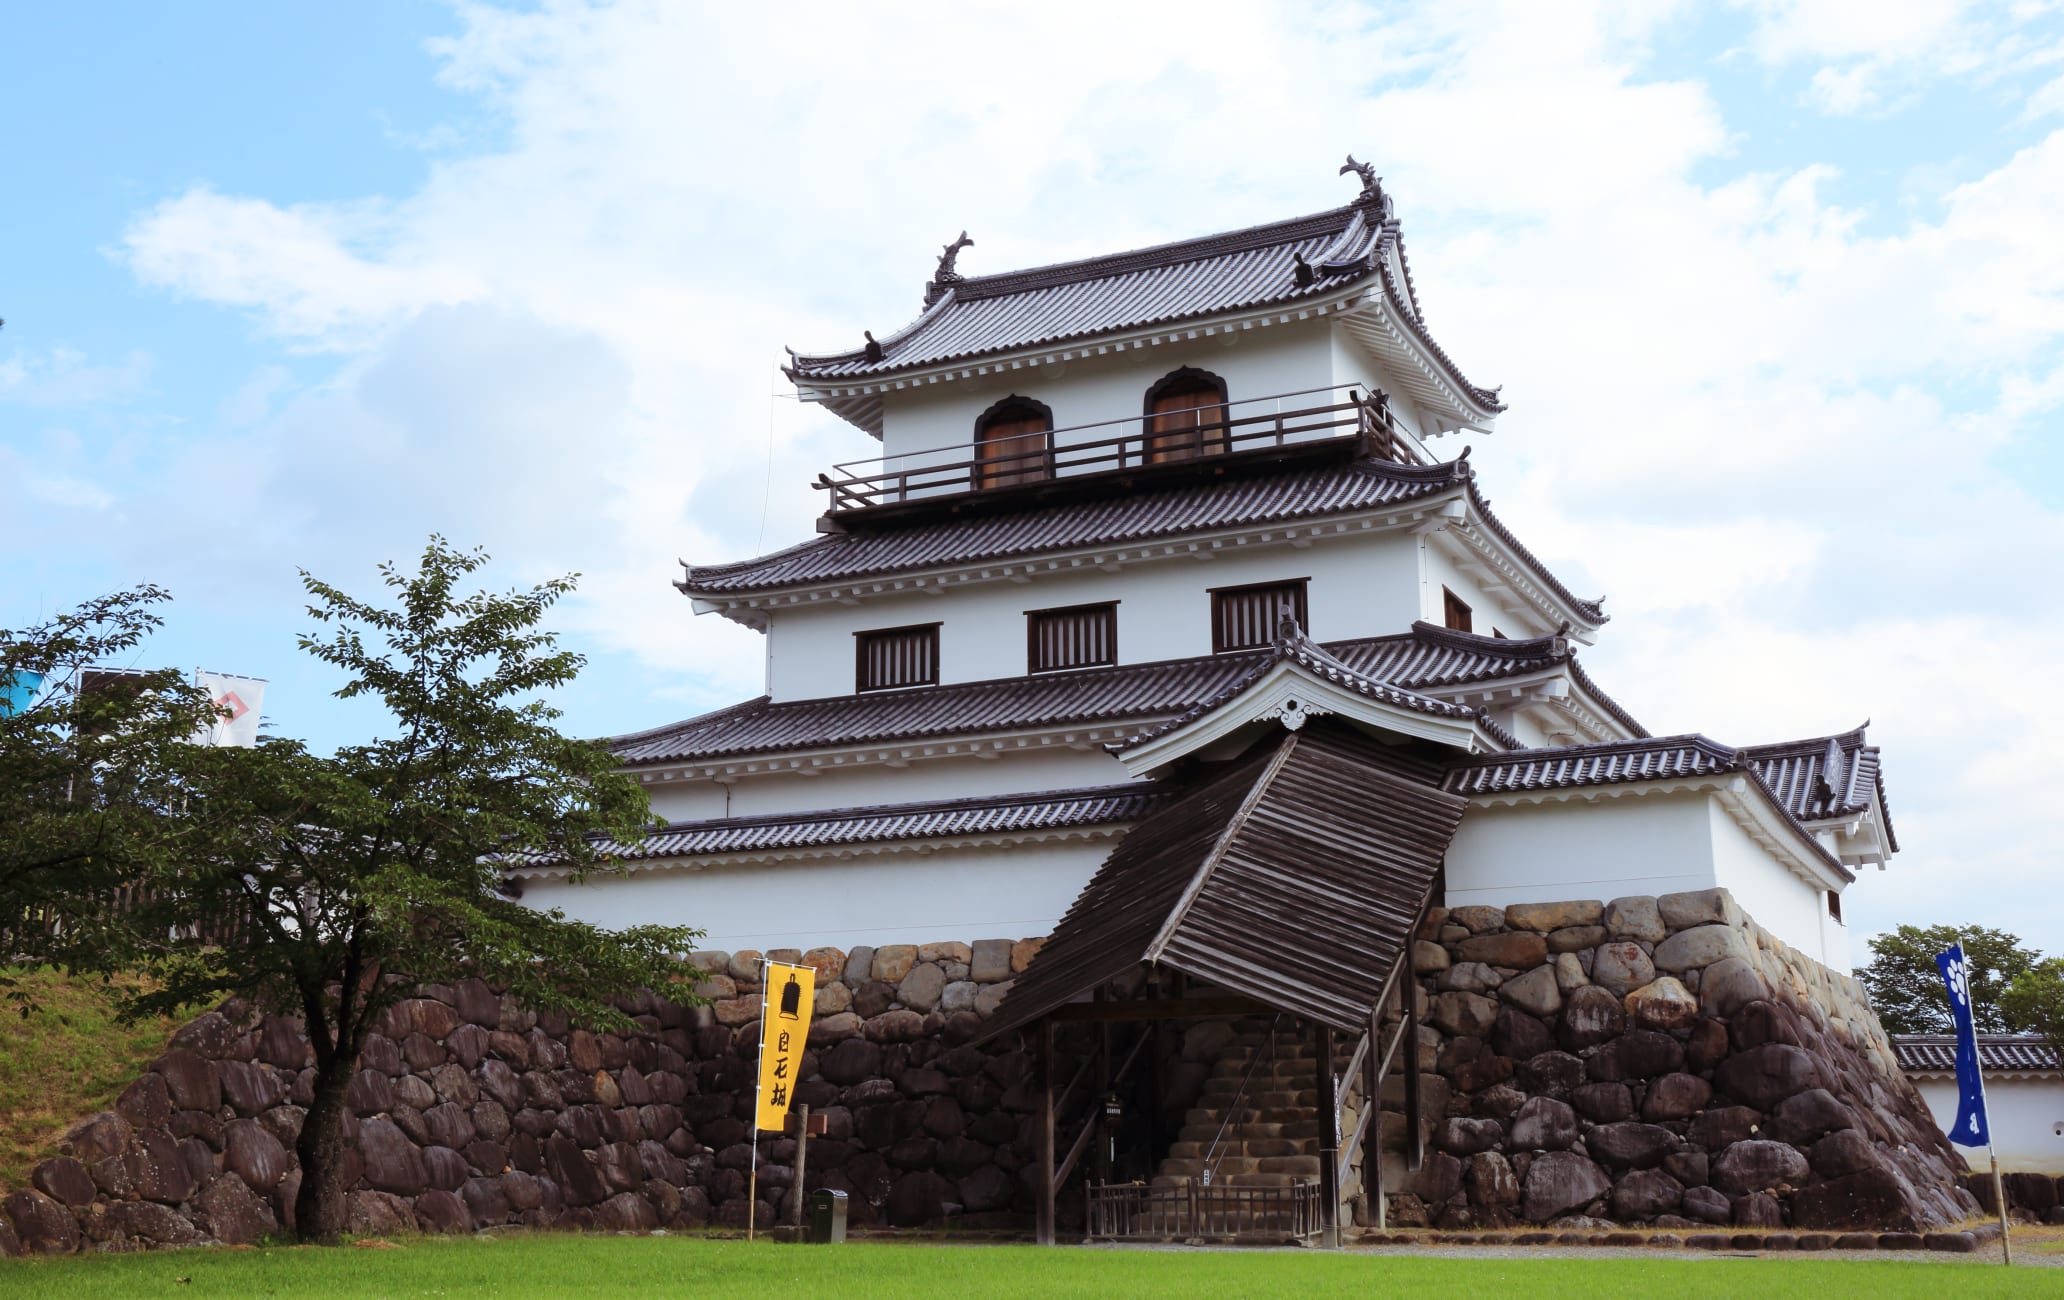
[(899, 896), (866, 785), (1361, 585)]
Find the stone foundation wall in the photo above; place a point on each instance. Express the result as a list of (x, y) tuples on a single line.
[(468, 1113), (1656, 1061)]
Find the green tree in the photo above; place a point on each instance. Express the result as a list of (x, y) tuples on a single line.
[(90, 772), (329, 887), (1905, 985), (2034, 1002)]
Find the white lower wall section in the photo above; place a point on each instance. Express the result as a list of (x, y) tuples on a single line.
[(1549, 852), (2026, 1115), (1635, 844), (1016, 892), (1780, 901)]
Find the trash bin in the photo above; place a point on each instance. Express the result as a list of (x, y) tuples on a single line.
[(827, 1216)]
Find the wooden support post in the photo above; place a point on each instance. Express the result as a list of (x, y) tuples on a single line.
[(1408, 1054), (1329, 1141), (1106, 1135), (1043, 1230), (1372, 1132), (802, 1165)]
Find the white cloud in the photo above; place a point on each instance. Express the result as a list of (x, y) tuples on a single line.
[(1762, 428), (65, 377)]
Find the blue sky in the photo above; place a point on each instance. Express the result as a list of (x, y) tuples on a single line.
[(1775, 290)]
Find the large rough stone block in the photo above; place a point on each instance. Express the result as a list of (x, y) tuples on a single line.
[(1514, 949), (1553, 916), (1758, 1165), (1022, 953), (64, 1180), (1635, 917), (229, 1211), (1698, 907), (1872, 1198), (1534, 992), (1645, 1193), (1590, 1015), (1465, 1015), (1492, 1184), (392, 1162), (989, 961), (1731, 983), (922, 986), (1664, 1004), (1477, 919), (107, 1134), (892, 962), (190, 1078), (1560, 1183), (41, 1224), (1544, 1124), (1629, 1145), (1699, 947), (1764, 1076), (1675, 1096), (252, 1153), (1429, 958), (1622, 967)]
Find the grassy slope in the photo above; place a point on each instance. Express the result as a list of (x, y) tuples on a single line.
[(564, 1265), (62, 1063)]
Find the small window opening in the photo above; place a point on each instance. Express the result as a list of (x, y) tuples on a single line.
[(1456, 611), (1245, 618), (886, 658), (1834, 905)]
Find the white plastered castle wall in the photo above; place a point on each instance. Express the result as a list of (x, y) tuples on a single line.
[(1013, 892), (2026, 1115), (1437, 570), (1633, 844), (1254, 363), (1362, 584)]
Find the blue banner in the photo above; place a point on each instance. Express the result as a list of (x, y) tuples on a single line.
[(18, 691), (1970, 1129)]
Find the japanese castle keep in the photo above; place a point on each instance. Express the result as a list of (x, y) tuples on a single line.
[(1162, 667), (1201, 821)]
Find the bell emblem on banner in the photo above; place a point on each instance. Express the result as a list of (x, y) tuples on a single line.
[(791, 999)]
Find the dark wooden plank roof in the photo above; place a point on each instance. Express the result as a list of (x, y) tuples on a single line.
[(1126, 696), (1936, 1053), (1294, 877), (933, 819)]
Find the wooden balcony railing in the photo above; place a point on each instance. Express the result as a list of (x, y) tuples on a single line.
[(1126, 446)]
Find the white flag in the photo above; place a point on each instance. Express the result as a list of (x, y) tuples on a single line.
[(238, 700)]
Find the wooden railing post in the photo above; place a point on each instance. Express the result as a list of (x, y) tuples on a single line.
[(1329, 1141)]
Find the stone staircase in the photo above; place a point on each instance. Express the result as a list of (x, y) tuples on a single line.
[(1257, 1122)]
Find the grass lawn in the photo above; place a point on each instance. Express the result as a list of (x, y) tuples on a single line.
[(555, 1265), (68, 1059)]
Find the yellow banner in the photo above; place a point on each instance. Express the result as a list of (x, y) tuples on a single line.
[(784, 1024)]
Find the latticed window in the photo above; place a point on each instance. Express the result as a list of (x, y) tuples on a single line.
[(1243, 618), (896, 656), (1013, 443), (1079, 636), (1186, 417), (1455, 611)]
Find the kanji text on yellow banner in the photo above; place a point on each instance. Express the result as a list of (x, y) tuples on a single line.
[(784, 1024)]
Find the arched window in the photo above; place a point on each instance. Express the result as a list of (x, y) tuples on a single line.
[(1186, 416), (1014, 443)]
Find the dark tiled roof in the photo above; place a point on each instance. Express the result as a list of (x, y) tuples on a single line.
[(1292, 645), (1825, 777), (1621, 762), (1129, 694), (1240, 270), (1144, 516), (1611, 763), (1936, 1053), (1295, 877), (952, 818)]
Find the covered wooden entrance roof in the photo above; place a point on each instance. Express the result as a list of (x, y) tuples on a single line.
[(1295, 878)]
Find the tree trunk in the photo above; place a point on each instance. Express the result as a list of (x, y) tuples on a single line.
[(319, 1210)]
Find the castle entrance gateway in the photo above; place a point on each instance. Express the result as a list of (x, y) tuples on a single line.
[(1284, 890)]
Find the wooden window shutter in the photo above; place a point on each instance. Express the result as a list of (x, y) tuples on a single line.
[(1455, 612), (1013, 444), (1245, 618), (1185, 423), (1079, 636), (887, 658)]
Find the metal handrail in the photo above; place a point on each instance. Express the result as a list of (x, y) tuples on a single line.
[(1241, 1093), (1216, 429)]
